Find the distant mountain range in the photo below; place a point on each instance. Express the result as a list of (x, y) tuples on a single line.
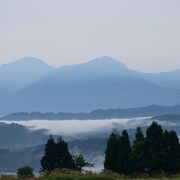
[(157, 112), (102, 83)]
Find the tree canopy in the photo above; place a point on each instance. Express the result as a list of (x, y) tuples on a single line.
[(157, 151), (57, 155)]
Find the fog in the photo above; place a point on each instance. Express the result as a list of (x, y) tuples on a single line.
[(72, 127), (91, 133)]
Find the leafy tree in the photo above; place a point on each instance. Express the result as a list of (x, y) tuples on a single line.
[(25, 172), (48, 161), (80, 162)]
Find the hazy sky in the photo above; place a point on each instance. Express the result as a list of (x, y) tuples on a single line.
[(143, 34)]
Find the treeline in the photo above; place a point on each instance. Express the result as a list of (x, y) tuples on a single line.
[(157, 151), (57, 156)]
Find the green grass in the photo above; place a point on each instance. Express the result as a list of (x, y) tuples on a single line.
[(73, 175)]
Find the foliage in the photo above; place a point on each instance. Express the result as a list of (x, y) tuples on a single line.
[(49, 158), (112, 152), (80, 162), (117, 152), (139, 136), (158, 151), (25, 172), (56, 155)]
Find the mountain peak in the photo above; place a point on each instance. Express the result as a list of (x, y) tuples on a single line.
[(27, 60), (107, 62), (21, 73)]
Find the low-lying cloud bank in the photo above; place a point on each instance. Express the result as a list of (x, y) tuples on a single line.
[(72, 127)]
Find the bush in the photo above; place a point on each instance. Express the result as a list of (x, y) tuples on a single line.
[(25, 172)]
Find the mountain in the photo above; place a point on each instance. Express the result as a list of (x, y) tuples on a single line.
[(148, 111), (21, 73), (99, 84), (165, 79)]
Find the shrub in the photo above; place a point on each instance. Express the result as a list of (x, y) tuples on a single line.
[(25, 172)]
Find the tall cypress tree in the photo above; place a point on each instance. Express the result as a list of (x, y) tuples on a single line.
[(117, 152), (137, 155), (63, 157), (124, 151), (112, 153), (159, 150), (139, 136), (154, 147), (49, 158), (56, 155), (171, 152)]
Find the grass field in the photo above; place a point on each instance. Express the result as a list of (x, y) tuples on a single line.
[(73, 175)]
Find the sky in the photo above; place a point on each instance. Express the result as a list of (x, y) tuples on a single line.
[(143, 34)]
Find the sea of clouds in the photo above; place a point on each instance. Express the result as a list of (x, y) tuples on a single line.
[(72, 127)]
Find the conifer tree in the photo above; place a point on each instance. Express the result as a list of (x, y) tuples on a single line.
[(56, 155), (137, 155), (49, 158), (112, 153), (117, 152), (124, 151), (158, 150), (154, 147), (171, 152), (139, 136), (63, 157)]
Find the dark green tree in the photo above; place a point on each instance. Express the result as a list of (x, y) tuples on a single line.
[(158, 151), (112, 152), (124, 151), (171, 152), (139, 136), (56, 155), (117, 152), (25, 172), (137, 155), (48, 161), (154, 147), (63, 157)]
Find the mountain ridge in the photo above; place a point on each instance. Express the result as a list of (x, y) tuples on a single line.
[(21, 73), (101, 83), (148, 111)]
